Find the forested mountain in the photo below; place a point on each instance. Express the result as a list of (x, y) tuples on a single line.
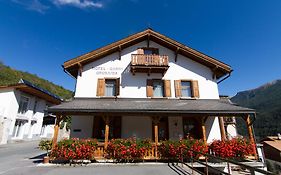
[(266, 100), (12, 76)]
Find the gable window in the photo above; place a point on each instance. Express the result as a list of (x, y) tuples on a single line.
[(108, 87), (158, 88), (23, 105), (148, 51), (186, 88)]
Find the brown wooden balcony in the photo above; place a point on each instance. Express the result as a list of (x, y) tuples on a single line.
[(149, 63)]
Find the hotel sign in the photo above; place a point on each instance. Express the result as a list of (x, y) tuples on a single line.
[(100, 70)]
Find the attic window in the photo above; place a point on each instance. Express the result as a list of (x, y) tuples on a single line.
[(148, 51)]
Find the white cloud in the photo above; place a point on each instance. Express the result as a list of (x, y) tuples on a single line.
[(78, 3), (34, 5)]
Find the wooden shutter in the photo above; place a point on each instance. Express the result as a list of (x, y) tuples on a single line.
[(117, 91), (178, 88), (140, 51), (195, 89), (149, 88), (167, 88), (100, 87)]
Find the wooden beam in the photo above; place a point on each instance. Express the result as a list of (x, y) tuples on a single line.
[(148, 40), (80, 69), (251, 135), (176, 54), (222, 130), (120, 49), (56, 130)]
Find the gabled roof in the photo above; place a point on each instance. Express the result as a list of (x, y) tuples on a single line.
[(28, 87), (219, 68)]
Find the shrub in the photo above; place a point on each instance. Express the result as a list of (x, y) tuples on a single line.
[(234, 148), (127, 150), (46, 145), (182, 149), (74, 149)]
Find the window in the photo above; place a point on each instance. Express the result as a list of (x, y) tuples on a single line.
[(108, 87), (23, 105), (186, 88), (158, 88), (148, 51)]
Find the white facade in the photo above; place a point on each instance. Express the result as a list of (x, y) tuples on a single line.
[(134, 86), (15, 125)]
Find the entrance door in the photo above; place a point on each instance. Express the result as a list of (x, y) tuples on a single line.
[(191, 128)]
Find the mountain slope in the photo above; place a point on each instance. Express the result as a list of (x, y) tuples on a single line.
[(12, 76), (266, 100)]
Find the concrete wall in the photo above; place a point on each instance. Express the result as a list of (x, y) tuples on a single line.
[(135, 86), (82, 127)]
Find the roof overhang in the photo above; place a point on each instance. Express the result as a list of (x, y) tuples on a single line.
[(149, 107), (33, 91), (219, 68)]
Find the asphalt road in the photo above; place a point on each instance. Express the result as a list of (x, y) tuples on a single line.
[(24, 159)]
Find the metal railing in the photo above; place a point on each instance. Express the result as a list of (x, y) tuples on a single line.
[(229, 163)]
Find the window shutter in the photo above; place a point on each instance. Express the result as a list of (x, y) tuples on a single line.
[(149, 88), (140, 51), (178, 88), (117, 87), (195, 89), (100, 87), (167, 88)]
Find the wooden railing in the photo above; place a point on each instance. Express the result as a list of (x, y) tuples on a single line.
[(148, 155), (149, 60)]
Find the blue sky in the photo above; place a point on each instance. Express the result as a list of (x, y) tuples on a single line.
[(39, 35)]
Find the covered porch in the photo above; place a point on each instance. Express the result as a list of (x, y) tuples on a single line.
[(157, 119)]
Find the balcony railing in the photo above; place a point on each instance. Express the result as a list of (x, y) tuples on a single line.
[(149, 60), (149, 63)]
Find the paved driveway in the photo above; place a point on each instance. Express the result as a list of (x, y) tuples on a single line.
[(23, 159)]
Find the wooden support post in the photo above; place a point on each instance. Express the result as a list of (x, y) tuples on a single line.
[(251, 134), (56, 130), (106, 136), (156, 121), (204, 130), (221, 123)]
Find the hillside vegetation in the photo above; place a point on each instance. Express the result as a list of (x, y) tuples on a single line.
[(266, 100), (12, 76)]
